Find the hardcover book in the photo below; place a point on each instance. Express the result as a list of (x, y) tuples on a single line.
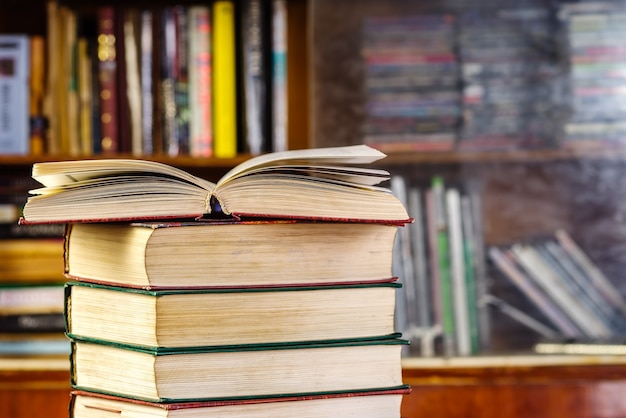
[(323, 183), (229, 254), (229, 316), (384, 403), (236, 372)]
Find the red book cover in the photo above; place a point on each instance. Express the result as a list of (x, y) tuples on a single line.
[(107, 75)]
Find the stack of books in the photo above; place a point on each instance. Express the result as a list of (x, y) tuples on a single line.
[(275, 298)]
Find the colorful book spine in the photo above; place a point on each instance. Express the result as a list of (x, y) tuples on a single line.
[(200, 68), (224, 80)]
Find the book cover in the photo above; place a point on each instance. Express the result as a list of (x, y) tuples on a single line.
[(226, 317), (365, 404), (348, 191), (14, 94), (200, 82), (327, 253), (224, 80), (206, 374)]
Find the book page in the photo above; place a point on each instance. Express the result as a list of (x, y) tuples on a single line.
[(64, 173), (357, 154)]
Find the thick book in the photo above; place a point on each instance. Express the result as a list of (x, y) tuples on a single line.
[(229, 316), (313, 183), (383, 403), (239, 372), (229, 254)]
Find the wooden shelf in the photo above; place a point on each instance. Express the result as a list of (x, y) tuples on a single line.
[(516, 387), (27, 160), (394, 158)]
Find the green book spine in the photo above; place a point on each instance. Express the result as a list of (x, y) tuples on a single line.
[(447, 307)]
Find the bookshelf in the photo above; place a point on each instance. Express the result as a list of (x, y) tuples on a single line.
[(526, 193)]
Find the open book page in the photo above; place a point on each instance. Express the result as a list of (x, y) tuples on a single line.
[(64, 173), (356, 154)]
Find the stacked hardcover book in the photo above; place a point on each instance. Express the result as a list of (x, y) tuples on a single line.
[(225, 311)]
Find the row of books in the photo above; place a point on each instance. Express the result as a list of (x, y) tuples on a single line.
[(296, 315), (440, 81), (595, 34), (31, 297), (440, 260), (572, 298), (200, 80)]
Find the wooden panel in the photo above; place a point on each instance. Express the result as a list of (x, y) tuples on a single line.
[(571, 391), (34, 394)]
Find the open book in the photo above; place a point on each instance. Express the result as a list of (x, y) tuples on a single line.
[(324, 183)]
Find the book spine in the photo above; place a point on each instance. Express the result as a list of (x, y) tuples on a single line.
[(200, 68), (70, 141), (224, 80), (168, 81), (599, 280), (418, 248), (255, 86), (181, 79), (433, 263), (469, 254), (37, 95), (443, 262), (279, 76), (28, 323), (146, 51), (14, 94), (85, 97), (50, 107), (536, 267), (404, 265), (124, 133), (458, 272), (107, 76), (131, 27), (506, 264)]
